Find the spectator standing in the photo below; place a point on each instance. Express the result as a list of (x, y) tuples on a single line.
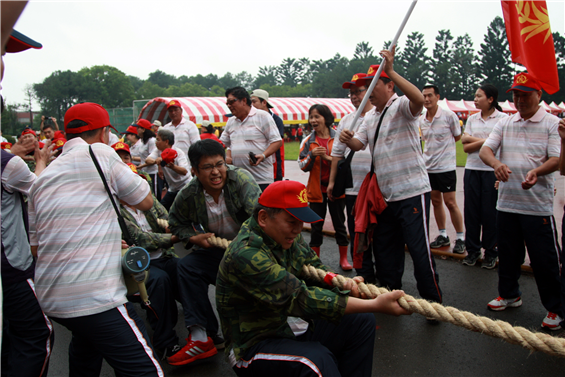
[(208, 132), (401, 173), (480, 194), (528, 147), (146, 147), (315, 158), (250, 130), (440, 131), (186, 132), (260, 100), (134, 144), (300, 133), (360, 166), (79, 278)]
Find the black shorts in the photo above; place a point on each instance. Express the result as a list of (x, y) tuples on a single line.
[(444, 182)]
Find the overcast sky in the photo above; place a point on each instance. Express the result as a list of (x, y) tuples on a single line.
[(207, 36)]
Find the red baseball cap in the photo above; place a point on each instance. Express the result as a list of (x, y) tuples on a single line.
[(371, 75), (144, 123), (59, 135), (6, 145), (357, 76), (524, 82), (173, 103), (131, 130), (41, 144), (119, 146), (58, 143), (290, 196), (19, 42), (169, 155), (92, 113), (28, 131)]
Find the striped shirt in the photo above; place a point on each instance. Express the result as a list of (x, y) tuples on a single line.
[(478, 127), (254, 134), (439, 137), (144, 151), (186, 134), (399, 164), (74, 225), (525, 145), (220, 221), (361, 162), (176, 181), (17, 177)]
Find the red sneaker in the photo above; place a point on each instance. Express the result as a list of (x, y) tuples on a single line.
[(194, 350)]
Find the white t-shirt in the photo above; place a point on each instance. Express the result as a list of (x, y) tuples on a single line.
[(134, 150), (144, 151), (186, 134), (254, 134), (439, 137), (75, 227), (176, 181), (478, 127), (525, 145)]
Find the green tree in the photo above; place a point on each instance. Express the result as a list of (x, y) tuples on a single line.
[(464, 68), (149, 90), (164, 80), (10, 124), (245, 80), (441, 64), (413, 63), (58, 92), (267, 76), (494, 62), (136, 82), (207, 81), (329, 75), (228, 81), (291, 71), (363, 51), (107, 86)]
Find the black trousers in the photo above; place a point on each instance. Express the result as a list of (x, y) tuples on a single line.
[(337, 213), (368, 268), (328, 350), (196, 272), (406, 222), (539, 235), (27, 337), (480, 212), (117, 335)]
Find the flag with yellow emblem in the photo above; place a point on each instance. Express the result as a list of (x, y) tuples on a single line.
[(530, 40)]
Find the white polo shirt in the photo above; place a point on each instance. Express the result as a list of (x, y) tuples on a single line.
[(186, 134), (254, 134), (478, 127), (144, 151), (525, 145), (176, 181), (134, 150), (399, 164), (439, 137), (361, 162), (75, 227)]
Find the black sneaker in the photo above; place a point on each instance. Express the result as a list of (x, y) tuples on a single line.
[(471, 259), (489, 262), (459, 247), (170, 351), (219, 342), (440, 241)]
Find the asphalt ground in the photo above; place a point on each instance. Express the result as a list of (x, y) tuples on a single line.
[(410, 345)]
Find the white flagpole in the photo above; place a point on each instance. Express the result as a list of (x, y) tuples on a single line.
[(379, 71)]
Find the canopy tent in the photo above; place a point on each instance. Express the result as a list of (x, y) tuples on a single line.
[(556, 107), (549, 109), (562, 105), (508, 107), (469, 105), (214, 109)]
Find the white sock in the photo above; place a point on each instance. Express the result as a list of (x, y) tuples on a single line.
[(197, 333), (461, 236), (443, 232)]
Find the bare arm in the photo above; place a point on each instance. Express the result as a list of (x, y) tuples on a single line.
[(546, 168), (386, 303), (346, 137), (145, 204), (501, 171), (272, 148)]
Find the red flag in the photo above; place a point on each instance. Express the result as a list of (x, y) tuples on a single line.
[(530, 40)]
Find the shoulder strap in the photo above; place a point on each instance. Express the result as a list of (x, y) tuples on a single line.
[(377, 134), (125, 232)]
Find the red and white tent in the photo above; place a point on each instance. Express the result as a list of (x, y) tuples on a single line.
[(214, 109), (550, 109), (508, 107)]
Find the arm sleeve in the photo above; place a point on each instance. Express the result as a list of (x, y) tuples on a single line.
[(494, 139), (17, 176), (455, 127), (305, 158)]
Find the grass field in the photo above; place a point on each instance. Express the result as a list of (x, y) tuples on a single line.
[(291, 150)]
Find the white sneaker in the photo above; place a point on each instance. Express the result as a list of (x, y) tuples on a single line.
[(500, 303), (551, 321)]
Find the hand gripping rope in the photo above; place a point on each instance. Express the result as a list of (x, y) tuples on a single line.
[(498, 329)]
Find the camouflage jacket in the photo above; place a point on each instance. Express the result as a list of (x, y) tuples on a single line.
[(241, 193), (258, 288), (158, 240)]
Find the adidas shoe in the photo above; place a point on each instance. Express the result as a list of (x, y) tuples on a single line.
[(500, 303), (551, 321), (440, 241), (194, 350)]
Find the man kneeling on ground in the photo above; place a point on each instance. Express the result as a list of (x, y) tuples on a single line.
[(217, 202), (264, 305)]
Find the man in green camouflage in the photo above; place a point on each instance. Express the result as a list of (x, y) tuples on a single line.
[(277, 324), (217, 202)]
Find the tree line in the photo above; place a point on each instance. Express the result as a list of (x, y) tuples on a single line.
[(453, 66)]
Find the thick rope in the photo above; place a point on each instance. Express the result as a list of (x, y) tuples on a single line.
[(213, 240), (498, 329)]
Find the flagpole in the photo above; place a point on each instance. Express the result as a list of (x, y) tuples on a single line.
[(379, 71)]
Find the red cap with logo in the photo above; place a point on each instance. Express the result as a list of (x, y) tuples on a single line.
[(371, 75), (357, 76), (143, 123), (173, 103), (58, 143), (59, 135), (6, 145), (290, 196), (169, 155), (119, 146), (524, 82), (28, 131), (94, 115)]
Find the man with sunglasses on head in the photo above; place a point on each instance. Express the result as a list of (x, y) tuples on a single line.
[(216, 203), (251, 136)]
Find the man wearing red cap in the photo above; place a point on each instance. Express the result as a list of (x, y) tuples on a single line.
[(402, 178), (528, 143), (186, 132), (360, 166), (77, 241), (267, 309)]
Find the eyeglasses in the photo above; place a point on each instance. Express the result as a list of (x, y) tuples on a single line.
[(231, 101), (208, 168), (356, 93)]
